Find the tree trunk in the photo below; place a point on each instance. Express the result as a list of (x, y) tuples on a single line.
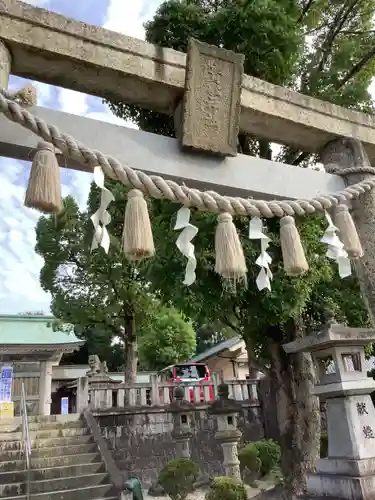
[(131, 350), (253, 372), (298, 415)]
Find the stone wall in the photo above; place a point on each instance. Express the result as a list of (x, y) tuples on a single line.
[(141, 440)]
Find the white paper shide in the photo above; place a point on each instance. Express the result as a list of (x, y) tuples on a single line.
[(264, 260), (184, 243), (101, 218), (336, 250)]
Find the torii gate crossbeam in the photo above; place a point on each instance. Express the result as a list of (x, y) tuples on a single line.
[(53, 49), (239, 176)]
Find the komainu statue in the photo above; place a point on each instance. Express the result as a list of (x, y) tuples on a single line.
[(94, 364)]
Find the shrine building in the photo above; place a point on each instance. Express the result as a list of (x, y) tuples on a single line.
[(29, 349)]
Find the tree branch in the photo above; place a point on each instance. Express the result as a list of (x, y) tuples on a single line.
[(339, 21), (231, 325), (356, 69), (305, 10), (300, 158)]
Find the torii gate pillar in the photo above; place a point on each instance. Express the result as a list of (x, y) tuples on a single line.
[(344, 153), (5, 62)]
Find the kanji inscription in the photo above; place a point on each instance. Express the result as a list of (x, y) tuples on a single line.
[(211, 107), (368, 432), (362, 408)]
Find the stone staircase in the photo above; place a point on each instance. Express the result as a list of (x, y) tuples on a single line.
[(65, 461)]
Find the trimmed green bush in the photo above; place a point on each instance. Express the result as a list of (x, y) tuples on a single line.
[(178, 477), (226, 488), (249, 458), (263, 455), (324, 445), (269, 453)]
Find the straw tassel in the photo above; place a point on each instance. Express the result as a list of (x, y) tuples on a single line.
[(230, 260), (137, 240), (26, 97), (295, 262), (348, 232), (44, 189)]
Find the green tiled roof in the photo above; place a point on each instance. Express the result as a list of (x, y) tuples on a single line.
[(35, 330)]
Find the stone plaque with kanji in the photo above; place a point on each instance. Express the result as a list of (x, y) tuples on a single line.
[(211, 106)]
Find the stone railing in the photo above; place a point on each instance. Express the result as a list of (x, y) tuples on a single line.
[(106, 394)]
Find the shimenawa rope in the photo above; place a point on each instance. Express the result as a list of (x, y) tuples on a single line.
[(157, 187)]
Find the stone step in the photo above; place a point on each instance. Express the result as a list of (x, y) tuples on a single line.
[(45, 443), (42, 419), (70, 483), (19, 476), (10, 426), (49, 462), (63, 450), (45, 434), (54, 485), (104, 491), (50, 452)]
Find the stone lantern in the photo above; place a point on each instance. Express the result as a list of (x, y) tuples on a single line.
[(339, 356), (226, 411), (181, 411)]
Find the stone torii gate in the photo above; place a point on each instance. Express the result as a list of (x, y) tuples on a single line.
[(211, 100)]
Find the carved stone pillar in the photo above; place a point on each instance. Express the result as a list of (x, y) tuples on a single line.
[(45, 388), (343, 153), (5, 64), (82, 394)]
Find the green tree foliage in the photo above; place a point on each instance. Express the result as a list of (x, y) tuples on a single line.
[(322, 48), (168, 339), (104, 296), (211, 334)]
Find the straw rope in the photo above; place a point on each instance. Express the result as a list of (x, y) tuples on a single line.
[(158, 188)]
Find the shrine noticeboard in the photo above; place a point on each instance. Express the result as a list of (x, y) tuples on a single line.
[(6, 382)]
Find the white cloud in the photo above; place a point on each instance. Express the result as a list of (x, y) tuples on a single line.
[(128, 16), (19, 264), (19, 269), (73, 102)]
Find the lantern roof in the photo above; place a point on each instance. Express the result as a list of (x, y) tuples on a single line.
[(332, 335)]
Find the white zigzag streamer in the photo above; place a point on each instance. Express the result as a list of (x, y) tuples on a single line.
[(184, 243), (101, 218), (264, 260), (336, 250)]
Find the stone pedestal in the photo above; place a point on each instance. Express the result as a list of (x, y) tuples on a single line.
[(181, 411), (226, 411), (338, 353)]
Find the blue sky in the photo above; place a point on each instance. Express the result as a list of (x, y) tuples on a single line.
[(19, 264)]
